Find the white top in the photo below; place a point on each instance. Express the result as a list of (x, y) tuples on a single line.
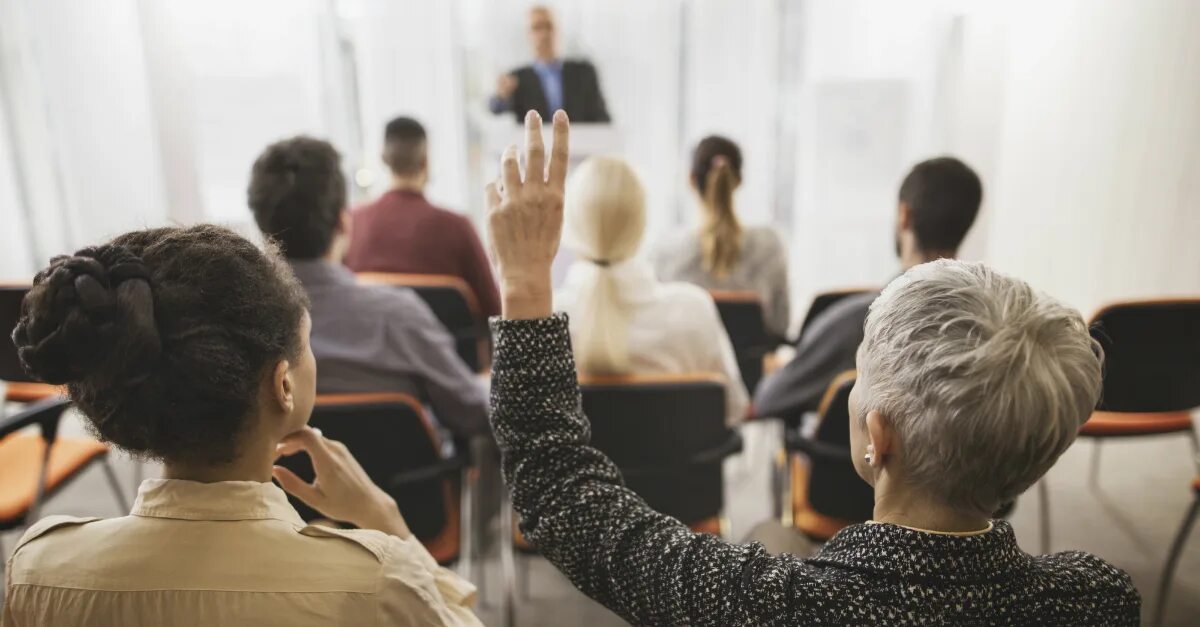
[(674, 328)]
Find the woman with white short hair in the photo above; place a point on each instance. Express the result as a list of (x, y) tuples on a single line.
[(971, 386)]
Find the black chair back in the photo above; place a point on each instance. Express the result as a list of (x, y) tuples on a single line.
[(742, 315), (824, 301), (455, 306), (1152, 355), (653, 428), (389, 435), (10, 313), (834, 488)]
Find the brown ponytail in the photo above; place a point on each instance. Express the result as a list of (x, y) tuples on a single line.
[(716, 173), (721, 236)]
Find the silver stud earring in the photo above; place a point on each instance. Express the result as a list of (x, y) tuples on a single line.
[(870, 456)]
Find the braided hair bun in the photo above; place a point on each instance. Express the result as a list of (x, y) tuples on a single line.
[(163, 336)]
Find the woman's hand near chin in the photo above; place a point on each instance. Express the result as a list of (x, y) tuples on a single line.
[(341, 490), (525, 219)]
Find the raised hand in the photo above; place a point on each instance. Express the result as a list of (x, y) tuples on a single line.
[(525, 219), (342, 490)]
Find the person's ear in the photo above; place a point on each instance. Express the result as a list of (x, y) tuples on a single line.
[(904, 216), (283, 388), (881, 438)]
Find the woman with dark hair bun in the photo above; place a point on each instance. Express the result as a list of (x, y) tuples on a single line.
[(723, 254), (190, 346)]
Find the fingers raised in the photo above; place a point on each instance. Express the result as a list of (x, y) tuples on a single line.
[(492, 196), (510, 170), (560, 151), (535, 151)]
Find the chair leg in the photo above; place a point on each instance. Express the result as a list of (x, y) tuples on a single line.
[(1044, 514), (466, 528), (115, 484), (1195, 449), (507, 561), (1094, 474), (1164, 586)]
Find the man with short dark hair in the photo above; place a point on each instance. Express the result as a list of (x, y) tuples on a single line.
[(403, 232), (365, 338), (938, 202)]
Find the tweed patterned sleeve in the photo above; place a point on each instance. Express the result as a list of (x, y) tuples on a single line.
[(645, 566)]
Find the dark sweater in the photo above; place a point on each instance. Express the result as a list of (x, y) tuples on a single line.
[(652, 570)]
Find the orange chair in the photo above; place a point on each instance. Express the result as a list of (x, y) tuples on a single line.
[(454, 304), (19, 387), (34, 467), (1164, 586), (1151, 372), (826, 492), (394, 440)]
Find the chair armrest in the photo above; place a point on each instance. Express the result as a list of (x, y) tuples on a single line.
[(732, 445), (46, 413), (794, 442), (443, 469)]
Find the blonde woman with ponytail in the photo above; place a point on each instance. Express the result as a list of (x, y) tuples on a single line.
[(623, 320), (723, 254)]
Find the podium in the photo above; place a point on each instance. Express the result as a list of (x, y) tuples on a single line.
[(586, 140)]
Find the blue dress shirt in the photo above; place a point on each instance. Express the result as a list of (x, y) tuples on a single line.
[(550, 75)]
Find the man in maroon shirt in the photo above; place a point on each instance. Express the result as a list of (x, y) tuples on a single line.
[(403, 232)]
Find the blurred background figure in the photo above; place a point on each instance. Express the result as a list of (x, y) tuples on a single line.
[(722, 254), (550, 83), (403, 232)]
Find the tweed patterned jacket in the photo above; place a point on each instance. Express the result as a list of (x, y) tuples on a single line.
[(652, 570)]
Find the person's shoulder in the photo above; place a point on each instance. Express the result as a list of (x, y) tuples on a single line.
[(365, 544), (763, 234), (50, 528), (1084, 573)]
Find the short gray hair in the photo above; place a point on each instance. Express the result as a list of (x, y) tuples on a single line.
[(985, 380)]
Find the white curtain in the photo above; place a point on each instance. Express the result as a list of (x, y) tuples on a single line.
[(1098, 185)]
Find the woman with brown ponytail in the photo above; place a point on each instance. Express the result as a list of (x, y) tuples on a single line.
[(724, 254)]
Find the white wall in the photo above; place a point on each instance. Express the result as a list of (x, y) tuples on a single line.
[(1097, 195)]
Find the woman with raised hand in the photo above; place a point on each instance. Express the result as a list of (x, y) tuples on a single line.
[(723, 254), (971, 385), (624, 320), (190, 346)]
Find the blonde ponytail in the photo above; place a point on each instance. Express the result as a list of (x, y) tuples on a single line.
[(721, 234), (605, 220)]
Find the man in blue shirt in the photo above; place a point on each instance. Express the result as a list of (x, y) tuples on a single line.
[(550, 83)]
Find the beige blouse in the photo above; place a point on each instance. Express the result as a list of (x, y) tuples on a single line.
[(231, 553)]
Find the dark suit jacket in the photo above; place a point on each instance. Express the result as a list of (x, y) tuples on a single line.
[(582, 99)]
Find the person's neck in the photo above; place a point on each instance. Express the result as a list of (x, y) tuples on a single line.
[(249, 466), (411, 184), (907, 508), (912, 256), (548, 60)]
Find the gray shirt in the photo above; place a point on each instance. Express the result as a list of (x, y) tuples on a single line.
[(386, 339), (761, 268), (829, 347)]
